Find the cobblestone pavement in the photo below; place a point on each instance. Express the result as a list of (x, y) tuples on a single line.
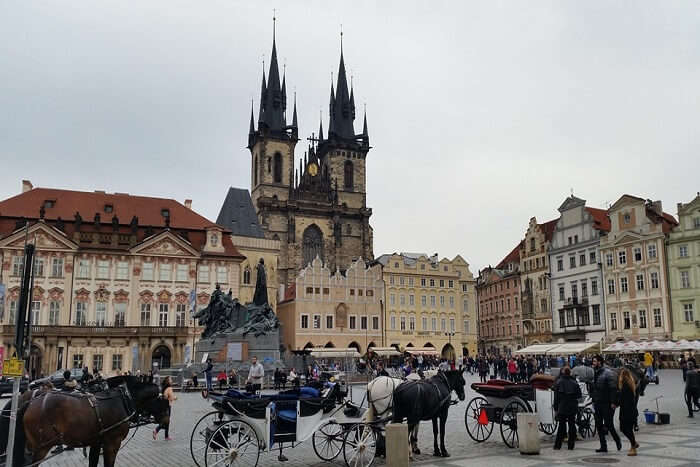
[(677, 444)]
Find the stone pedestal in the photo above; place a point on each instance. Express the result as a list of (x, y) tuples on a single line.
[(528, 433), (266, 348)]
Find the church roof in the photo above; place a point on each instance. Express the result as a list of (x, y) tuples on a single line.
[(237, 214)]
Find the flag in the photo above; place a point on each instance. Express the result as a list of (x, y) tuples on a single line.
[(193, 301)]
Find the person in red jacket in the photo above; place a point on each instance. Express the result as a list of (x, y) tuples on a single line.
[(512, 369)]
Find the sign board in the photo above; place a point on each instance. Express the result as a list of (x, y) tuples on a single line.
[(234, 351), (544, 406), (13, 367), (204, 357)]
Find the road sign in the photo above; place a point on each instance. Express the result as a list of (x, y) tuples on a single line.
[(13, 367)]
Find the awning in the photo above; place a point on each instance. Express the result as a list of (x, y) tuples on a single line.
[(572, 348), (535, 349), (421, 350), (385, 351), (350, 352)]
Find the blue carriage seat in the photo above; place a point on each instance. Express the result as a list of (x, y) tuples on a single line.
[(287, 415)]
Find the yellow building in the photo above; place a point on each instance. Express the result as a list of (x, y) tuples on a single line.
[(430, 303), (334, 310)]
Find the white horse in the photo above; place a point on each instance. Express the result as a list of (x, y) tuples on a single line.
[(380, 399)]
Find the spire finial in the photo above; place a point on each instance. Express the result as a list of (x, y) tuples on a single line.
[(274, 23), (341, 38)]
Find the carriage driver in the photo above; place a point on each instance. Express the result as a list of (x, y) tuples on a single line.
[(256, 374)]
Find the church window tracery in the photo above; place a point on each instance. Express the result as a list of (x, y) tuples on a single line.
[(312, 244)]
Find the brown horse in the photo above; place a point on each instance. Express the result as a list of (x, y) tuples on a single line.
[(76, 419)]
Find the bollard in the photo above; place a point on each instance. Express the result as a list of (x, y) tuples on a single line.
[(397, 445), (528, 433)]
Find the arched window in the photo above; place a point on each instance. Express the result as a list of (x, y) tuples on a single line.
[(269, 164), (312, 244), (278, 168), (255, 171), (246, 275), (348, 171)]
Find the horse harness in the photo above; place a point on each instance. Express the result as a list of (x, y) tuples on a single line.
[(443, 400)]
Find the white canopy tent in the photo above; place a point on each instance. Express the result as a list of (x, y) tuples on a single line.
[(573, 348), (385, 351), (421, 350), (652, 346), (349, 352), (535, 349)]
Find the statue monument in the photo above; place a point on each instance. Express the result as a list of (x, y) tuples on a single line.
[(226, 321)]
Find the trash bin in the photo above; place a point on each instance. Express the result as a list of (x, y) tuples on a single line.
[(650, 417), (528, 433)]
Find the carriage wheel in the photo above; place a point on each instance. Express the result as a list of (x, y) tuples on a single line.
[(509, 422), (233, 444), (479, 427), (549, 428), (360, 446), (328, 441), (201, 433), (586, 423)]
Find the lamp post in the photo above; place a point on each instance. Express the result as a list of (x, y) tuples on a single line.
[(449, 341)]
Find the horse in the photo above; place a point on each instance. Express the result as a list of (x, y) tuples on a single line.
[(428, 400), (48, 418)]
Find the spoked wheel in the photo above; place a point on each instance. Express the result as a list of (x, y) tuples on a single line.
[(360, 446), (328, 441), (201, 433), (477, 422), (549, 428), (509, 422), (233, 444), (586, 423)]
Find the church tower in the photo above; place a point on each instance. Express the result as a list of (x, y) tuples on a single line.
[(319, 209)]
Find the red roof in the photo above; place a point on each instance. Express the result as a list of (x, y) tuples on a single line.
[(601, 221), (548, 229), (290, 293), (64, 204), (513, 256)]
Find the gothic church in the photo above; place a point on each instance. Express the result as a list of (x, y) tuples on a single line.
[(319, 207)]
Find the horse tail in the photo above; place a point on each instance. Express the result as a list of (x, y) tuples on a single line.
[(5, 426)]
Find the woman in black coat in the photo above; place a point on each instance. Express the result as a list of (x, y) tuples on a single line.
[(566, 395), (628, 408)]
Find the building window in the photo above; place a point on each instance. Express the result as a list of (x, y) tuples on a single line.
[(402, 299), (613, 321), (424, 323), (393, 322), (640, 281), (515, 302), (83, 268), (570, 317), (442, 301), (411, 300), (411, 322), (147, 272), (592, 257), (688, 312), (423, 300), (403, 323), (180, 314), (654, 280), (432, 301), (643, 319), (410, 282), (13, 312), (375, 322), (246, 275), (122, 270), (312, 244), (56, 267), (54, 313), (163, 310), (574, 290), (442, 283), (596, 315), (561, 293), (145, 314), (452, 302), (637, 254), (627, 218), (422, 281), (683, 251), (103, 269), (203, 275), (97, 362), (433, 324), (100, 313), (466, 326), (77, 360), (626, 319), (353, 322), (222, 275), (623, 284), (402, 280), (81, 314), (116, 362), (611, 286), (391, 280), (651, 250), (609, 259), (443, 324), (657, 317), (120, 314), (317, 322), (392, 299), (17, 265), (38, 267), (685, 279), (584, 289), (432, 282), (181, 272), (164, 271), (278, 168), (572, 262), (560, 264), (348, 175), (464, 287), (622, 256), (35, 313), (696, 222), (450, 284), (329, 321), (305, 321), (452, 325), (465, 306), (582, 259)]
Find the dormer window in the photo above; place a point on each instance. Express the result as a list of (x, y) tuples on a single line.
[(214, 239), (627, 218), (109, 208), (49, 203), (165, 212)]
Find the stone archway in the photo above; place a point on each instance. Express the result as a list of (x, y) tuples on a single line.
[(329, 345), (162, 356), (35, 360), (356, 346), (448, 352)]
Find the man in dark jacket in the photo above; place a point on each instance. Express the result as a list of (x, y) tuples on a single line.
[(566, 395), (604, 395), (692, 388)]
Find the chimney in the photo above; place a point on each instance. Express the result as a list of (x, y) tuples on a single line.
[(656, 206), (26, 186), (188, 203)]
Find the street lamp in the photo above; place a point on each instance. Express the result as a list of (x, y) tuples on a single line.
[(449, 340)]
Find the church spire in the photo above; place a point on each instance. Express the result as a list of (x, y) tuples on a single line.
[(251, 130), (274, 107), (342, 114), (320, 127), (263, 97)]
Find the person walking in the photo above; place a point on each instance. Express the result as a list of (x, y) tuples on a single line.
[(483, 369), (207, 374), (512, 369), (604, 395), (566, 395), (256, 375), (628, 408), (692, 388), (169, 395)]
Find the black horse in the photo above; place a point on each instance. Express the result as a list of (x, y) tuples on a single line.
[(428, 400)]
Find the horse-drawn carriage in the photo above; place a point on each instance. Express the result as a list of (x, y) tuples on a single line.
[(501, 401), (243, 425)]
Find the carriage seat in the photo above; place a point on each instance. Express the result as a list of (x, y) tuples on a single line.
[(288, 415)]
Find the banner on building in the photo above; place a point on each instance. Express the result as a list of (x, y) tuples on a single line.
[(135, 358), (193, 301), (234, 352), (188, 354)]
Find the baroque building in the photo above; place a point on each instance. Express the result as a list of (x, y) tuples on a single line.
[(430, 303), (318, 208), (115, 277), (635, 270), (534, 271), (500, 318), (683, 253), (333, 309), (576, 278)]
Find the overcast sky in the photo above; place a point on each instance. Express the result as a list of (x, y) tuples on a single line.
[(481, 114)]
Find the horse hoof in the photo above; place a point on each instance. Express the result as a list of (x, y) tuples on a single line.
[(416, 451), (437, 454), (445, 454)]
